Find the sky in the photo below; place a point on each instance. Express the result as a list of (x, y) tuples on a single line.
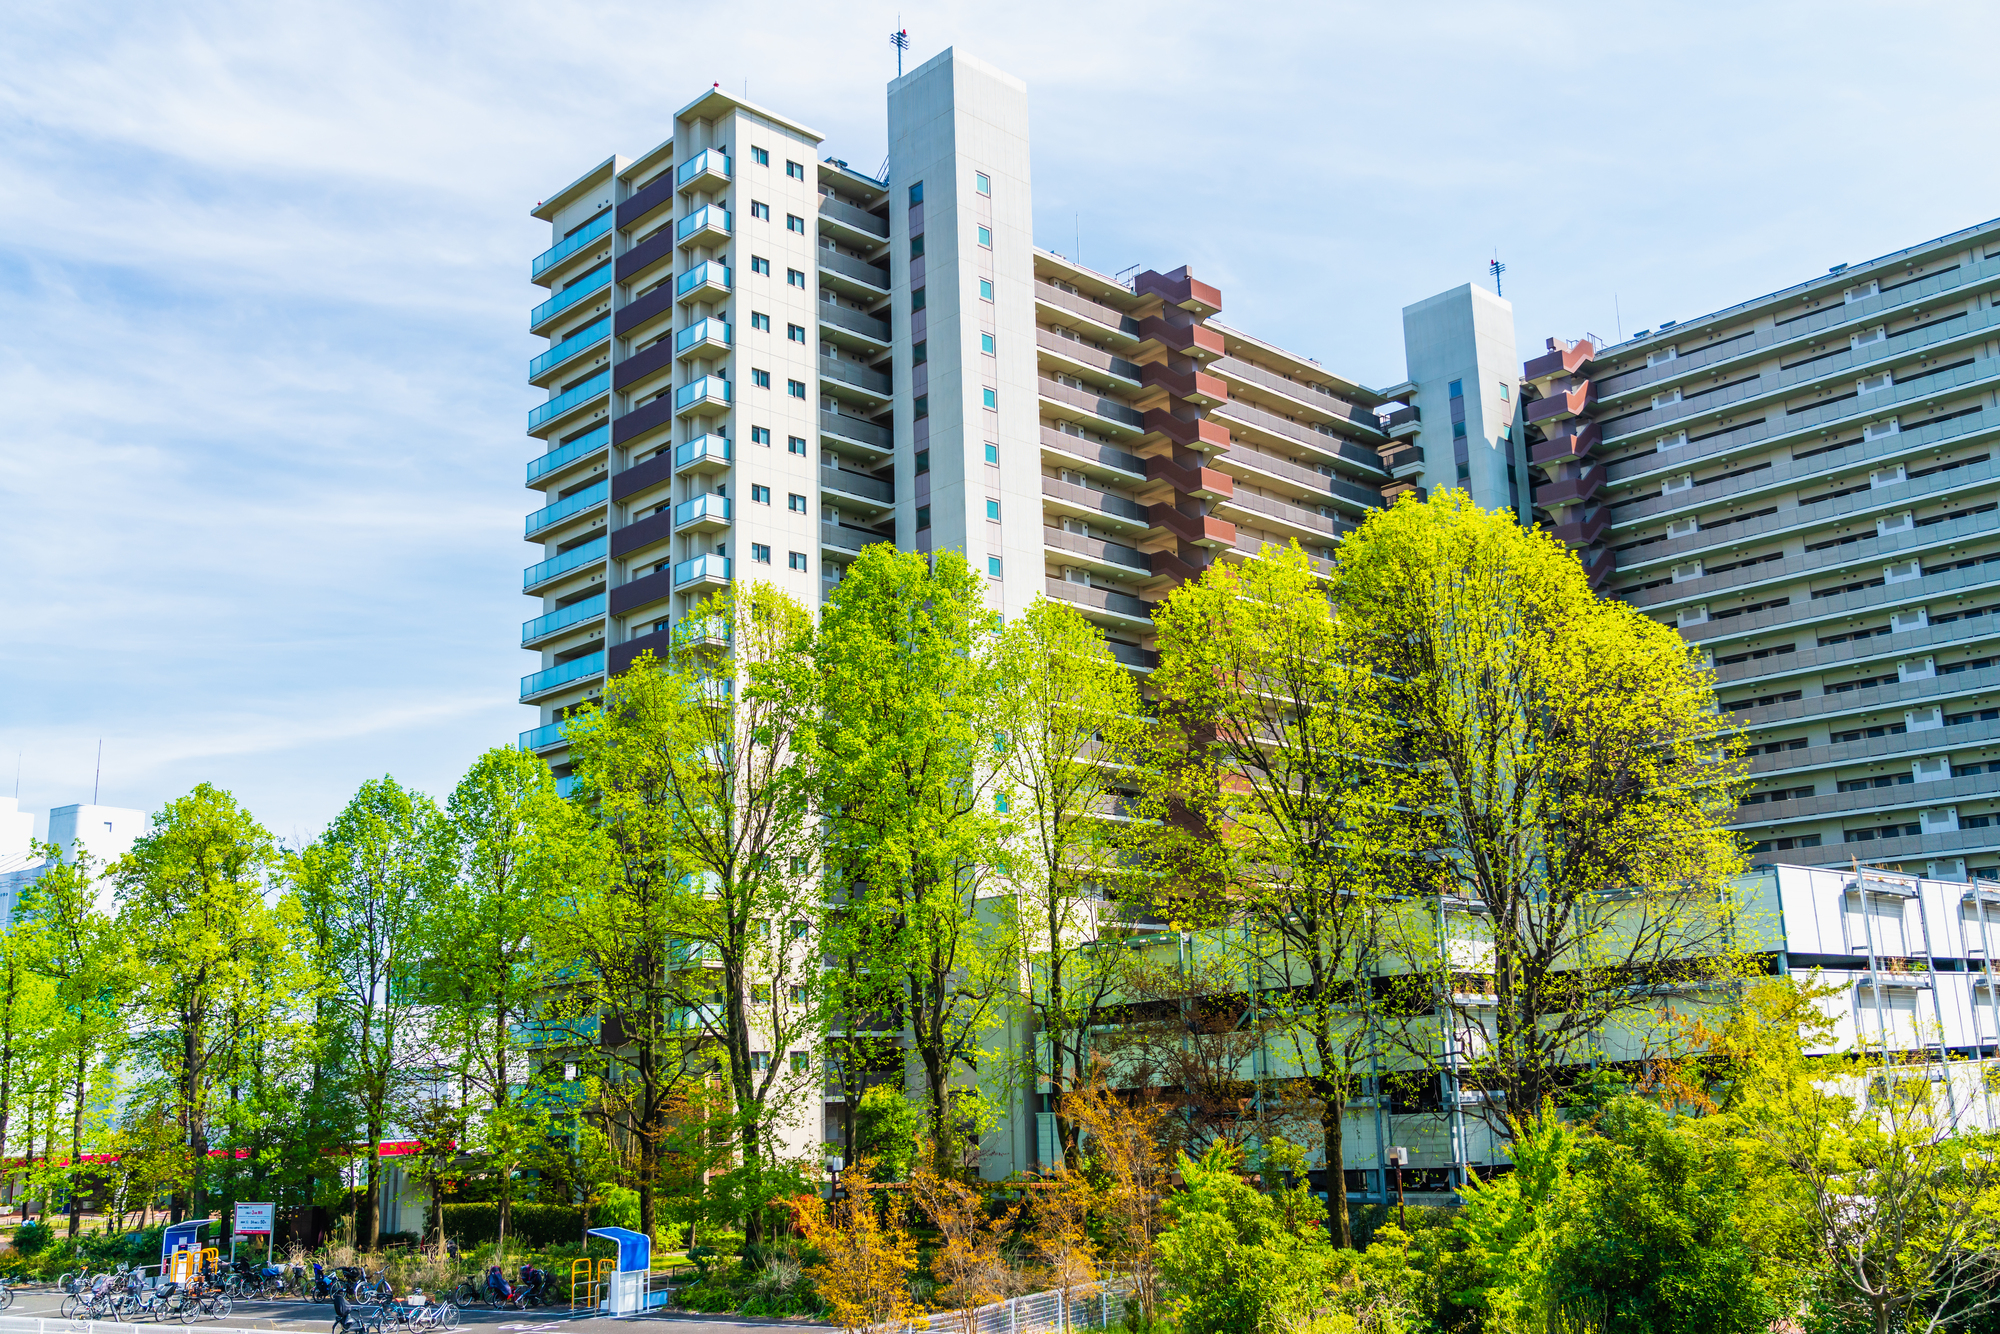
[(265, 269)]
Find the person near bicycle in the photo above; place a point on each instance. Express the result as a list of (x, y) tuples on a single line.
[(534, 1284)]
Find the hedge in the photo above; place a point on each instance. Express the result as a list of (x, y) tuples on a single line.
[(531, 1224)]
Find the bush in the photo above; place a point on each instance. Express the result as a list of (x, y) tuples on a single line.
[(32, 1236), (531, 1224)]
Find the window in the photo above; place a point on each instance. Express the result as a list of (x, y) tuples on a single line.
[(795, 502), (759, 320), (801, 865), (798, 560), (993, 567), (916, 298), (990, 397), (1458, 389), (758, 210), (758, 264), (1503, 391), (917, 193), (760, 495), (796, 332), (796, 388), (1000, 803), (986, 343), (795, 277), (760, 1060), (923, 517), (992, 452), (993, 510), (986, 237), (760, 553), (981, 183), (917, 246), (761, 379), (796, 994), (801, 1063), (921, 404), (795, 170), (760, 435), (760, 156), (796, 929), (795, 223), (760, 993), (795, 444), (923, 461), (920, 352), (985, 289)]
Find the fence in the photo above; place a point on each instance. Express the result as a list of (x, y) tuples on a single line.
[(1099, 1306)]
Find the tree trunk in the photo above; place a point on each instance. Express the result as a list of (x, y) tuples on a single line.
[(1333, 1126), (76, 1149)]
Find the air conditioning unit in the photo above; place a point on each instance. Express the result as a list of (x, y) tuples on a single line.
[(1943, 820), (1662, 357), (1684, 482), (1916, 669), (1878, 430), (1922, 720), (1875, 384), (1693, 616), (1902, 572), (1895, 523), (1863, 292), (1686, 573), (1666, 400), (1684, 527), (1857, 341), (1674, 441), (1932, 770)]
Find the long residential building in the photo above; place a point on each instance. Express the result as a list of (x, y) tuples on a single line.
[(1805, 485)]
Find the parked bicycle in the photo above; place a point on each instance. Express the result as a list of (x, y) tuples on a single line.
[(163, 1301), (351, 1319)]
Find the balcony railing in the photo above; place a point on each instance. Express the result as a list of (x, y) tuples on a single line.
[(711, 450), (541, 738), (708, 162), (541, 683), (594, 332), (708, 273), (546, 412), (708, 509), (854, 428), (706, 568), (568, 505), (857, 484), (709, 389), (847, 372), (702, 331), (844, 317), (832, 261), (569, 453), (597, 279), (561, 619), (702, 630), (575, 558), (707, 218), (859, 219), (570, 244)]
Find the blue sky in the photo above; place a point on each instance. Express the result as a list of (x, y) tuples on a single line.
[(265, 268)]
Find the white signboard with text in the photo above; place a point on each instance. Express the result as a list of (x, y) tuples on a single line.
[(255, 1220)]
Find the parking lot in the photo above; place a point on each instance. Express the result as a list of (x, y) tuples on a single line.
[(41, 1302)]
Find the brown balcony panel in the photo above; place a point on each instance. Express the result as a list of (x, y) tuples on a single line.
[(632, 481), (1186, 430), (1187, 337), (1402, 417), (1598, 563), (1572, 490), (642, 592), (659, 412), (1168, 565), (1103, 599), (621, 656), (659, 193), (1194, 386), (653, 528), (1561, 359), (1396, 490), (1179, 288), (657, 357), (1108, 316), (655, 303), (1575, 443), (1206, 483), (1109, 455), (655, 249), (1201, 529), (1561, 403), (1581, 532)]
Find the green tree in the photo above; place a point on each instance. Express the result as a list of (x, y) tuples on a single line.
[(1271, 780), (887, 1132), (701, 763), (379, 879), (1069, 725), (206, 953), (912, 721), (1241, 1261), (1568, 782)]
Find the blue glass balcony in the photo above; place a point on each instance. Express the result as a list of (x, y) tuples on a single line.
[(587, 337), (568, 505), (555, 678), (707, 569), (575, 558), (704, 453), (707, 280), (542, 738), (707, 167), (709, 394), (543, 413), (565, 784), (710, 222), (570, 244), (702, 334), (702, 631), (578, 448), (594, 281), (703, 514), (562, 619)]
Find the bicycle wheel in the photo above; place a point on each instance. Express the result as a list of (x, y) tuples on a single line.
[(6, 1298), (447, 1316), (188, 1311), (223, 1306), (72, 1306)]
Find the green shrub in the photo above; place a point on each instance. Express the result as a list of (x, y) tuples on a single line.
[(32, 1236), (531, 1224)]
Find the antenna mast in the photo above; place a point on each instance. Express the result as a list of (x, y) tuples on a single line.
[(1496, 268), (900, 39), (98, 779)]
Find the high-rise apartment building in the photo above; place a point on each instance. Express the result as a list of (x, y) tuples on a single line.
[(1804, 484)]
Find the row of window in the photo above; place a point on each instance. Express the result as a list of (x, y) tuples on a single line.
[(793, 222), (762, 157), (793, 277), (761, 495), (760, 554), (762, 380)]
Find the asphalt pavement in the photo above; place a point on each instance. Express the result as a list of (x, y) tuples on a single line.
[(293, 1316)]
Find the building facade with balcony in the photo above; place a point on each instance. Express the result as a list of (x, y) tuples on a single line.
[(1805, 485)]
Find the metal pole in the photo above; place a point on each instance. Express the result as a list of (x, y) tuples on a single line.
[(1937, 1005), (1986, 967), (1874, 978)]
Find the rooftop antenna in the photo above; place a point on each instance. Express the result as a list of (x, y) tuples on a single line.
[(900, 39), (98, 780), (1496, 268)]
